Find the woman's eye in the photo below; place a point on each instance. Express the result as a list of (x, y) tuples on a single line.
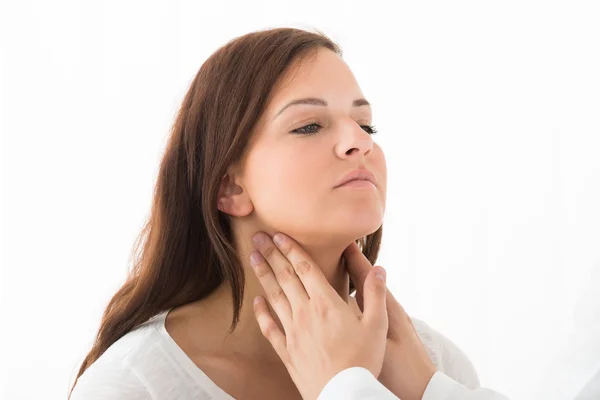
[(307, 129), (370, 129), (303, 131)]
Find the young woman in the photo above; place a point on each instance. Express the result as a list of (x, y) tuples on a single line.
[(274, 135)]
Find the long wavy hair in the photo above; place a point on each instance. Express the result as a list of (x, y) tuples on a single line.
[(185, 249)]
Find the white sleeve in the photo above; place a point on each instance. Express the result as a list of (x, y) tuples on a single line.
[(114, 381), (455, 363), (355, 383), (458, 379), (442, 387), (358, 383)]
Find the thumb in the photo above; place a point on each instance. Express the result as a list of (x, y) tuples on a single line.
[(400, 323), (374, 299), (358, 267)]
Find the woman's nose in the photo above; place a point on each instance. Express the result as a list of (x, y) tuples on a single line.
[(354, 141)]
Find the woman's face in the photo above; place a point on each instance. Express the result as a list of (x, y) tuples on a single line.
[(299, 153)]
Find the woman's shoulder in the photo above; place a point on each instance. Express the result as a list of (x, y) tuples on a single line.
[(121, 371), (110, 379), (446, 355)]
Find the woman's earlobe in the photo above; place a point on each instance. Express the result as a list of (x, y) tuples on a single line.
[(235, 206), (225, 205), (220, 205)]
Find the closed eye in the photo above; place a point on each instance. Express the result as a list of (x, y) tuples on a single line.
[(307, 129)]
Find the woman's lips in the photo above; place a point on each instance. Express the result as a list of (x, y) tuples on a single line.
[(359, 184), (362, 174)]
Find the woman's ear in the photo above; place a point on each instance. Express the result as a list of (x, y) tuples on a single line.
[(232, 198)]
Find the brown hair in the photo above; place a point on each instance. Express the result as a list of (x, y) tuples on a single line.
[(185, 250)]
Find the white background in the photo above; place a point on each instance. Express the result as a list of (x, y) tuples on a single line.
[(488, 112)]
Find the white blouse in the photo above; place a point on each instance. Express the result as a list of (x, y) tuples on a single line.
[(147, 363)]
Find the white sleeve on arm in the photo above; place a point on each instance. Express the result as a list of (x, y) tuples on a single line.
[(356, 383), (459, 380), (442, 387), (114, 381)]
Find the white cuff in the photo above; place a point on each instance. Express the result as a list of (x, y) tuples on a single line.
[(355, 383), (442, 387)]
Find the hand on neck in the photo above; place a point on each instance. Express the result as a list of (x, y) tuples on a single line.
[(247, 339)]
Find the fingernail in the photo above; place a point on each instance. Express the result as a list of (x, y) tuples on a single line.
[(380, 274), (258, 239), (257, 300), (278, 239), (255, 258)]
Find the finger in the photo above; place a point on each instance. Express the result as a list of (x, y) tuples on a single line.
[(274, 292), (359, 300), (309, 274), (282, 268), (389, 299), (357, 265), (375, 293), (269, 328), (399, 321)]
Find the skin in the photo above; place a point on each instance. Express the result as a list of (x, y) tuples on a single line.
[(314, 343), (321, 335), (286, 183)]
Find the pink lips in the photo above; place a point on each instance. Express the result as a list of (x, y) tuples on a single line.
[(358, 178)]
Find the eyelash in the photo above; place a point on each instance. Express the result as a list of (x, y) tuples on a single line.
[(370, 129)]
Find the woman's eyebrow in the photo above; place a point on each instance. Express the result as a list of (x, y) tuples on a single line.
[(319, 102)]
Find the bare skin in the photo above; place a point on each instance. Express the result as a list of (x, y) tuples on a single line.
[(321, 334), (224, 357), (286, 183), (314, 344), (243, 363), (239, 375)]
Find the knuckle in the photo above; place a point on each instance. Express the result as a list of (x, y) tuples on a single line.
[(285, 247), (261, 270), (267, 250), (270, 329), (303, 267), (285, 274), (277, 295)]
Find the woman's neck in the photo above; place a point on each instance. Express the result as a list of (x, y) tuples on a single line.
[(247, 341)]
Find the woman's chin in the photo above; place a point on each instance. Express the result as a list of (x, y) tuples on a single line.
[(363, 221), (356, 229)]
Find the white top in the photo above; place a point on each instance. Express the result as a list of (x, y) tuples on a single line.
[(147, 363)]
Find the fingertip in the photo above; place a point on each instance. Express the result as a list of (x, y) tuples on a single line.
[(351, 248), (374, 299), (380, 273)]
